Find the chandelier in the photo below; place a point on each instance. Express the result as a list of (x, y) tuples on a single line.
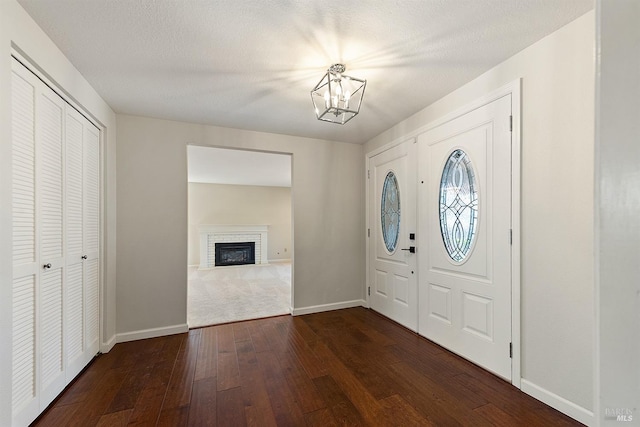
[(337, 97)]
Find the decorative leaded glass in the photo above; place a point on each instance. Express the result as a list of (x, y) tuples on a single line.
[(390, 212), (458, 205)]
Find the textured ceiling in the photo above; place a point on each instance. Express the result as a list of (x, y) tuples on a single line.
[(251, 64)]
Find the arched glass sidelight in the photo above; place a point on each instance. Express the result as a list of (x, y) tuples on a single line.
[(390, 212), (458, 205)]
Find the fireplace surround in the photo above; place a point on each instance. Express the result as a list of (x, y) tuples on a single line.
[(210, 234)]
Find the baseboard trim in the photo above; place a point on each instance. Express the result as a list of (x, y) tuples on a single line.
[(106, 347), (560, 403), (329, 307), (279, 260), (152, 333)]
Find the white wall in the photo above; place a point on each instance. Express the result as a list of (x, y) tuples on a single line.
[(19, 30), (328, 205), (618, 208), (238, 205), (557, 205)]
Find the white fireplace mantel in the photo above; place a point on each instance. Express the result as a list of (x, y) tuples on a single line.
[(212, 233)]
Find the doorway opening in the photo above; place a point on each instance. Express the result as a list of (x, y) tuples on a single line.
[(240, 246)]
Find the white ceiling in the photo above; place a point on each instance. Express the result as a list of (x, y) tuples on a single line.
[(238, 167), (251, 64)]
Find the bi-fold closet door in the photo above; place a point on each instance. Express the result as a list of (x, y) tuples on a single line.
[(55, 216)]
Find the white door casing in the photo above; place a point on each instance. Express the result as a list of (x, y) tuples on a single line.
[(393, 274), (465, 306)]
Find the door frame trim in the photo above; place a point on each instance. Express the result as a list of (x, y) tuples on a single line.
[(515, 90)]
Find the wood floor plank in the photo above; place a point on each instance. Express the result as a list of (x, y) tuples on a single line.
[(230, 408), (207, 363), (402, 413), (515, 403), (99, 398), (172, 417), (257, 406), (58, 416), (82, 386), (115, 419), (321, 418), (376, 337), (255, 417), (431, 366), (241, 332), (299, 347), (228, 374), (303, 329), (341, 407), (178, 394), (367, 405), (258, 337), (277, 336), (133, 385), (149, 403), (202, 410), (300, 383), (283, 402), (442, 408), (495, 416), (368, 371)]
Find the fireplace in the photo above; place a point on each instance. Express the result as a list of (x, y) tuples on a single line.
[(235, 253), (211, 234)]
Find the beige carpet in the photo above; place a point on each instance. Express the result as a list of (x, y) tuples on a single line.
[(233, 293)]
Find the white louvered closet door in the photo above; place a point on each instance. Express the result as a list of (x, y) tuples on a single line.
[(26, 271), (82, 243), (91, 233), (74, 284), (49, 198), (55, 212), (37, 209)]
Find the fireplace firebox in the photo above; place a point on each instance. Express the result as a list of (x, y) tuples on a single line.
[(235, 253)]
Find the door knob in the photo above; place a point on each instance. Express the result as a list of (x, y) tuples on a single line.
[(48, 265), (84, 257), (411, 249)]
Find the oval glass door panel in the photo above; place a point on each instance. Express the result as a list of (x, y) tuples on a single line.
[(458, 206), (390, 212)]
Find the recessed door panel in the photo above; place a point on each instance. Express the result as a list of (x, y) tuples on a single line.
[(401, 289), (440, 303), (477, 315), (381, 282)]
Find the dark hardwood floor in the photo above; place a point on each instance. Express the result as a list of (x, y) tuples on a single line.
[(348, 367)]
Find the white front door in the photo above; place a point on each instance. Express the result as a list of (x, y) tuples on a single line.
[(465, 213), (393, 286)]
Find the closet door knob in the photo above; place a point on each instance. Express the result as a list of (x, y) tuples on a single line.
[(48, 265), (84, 257)]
